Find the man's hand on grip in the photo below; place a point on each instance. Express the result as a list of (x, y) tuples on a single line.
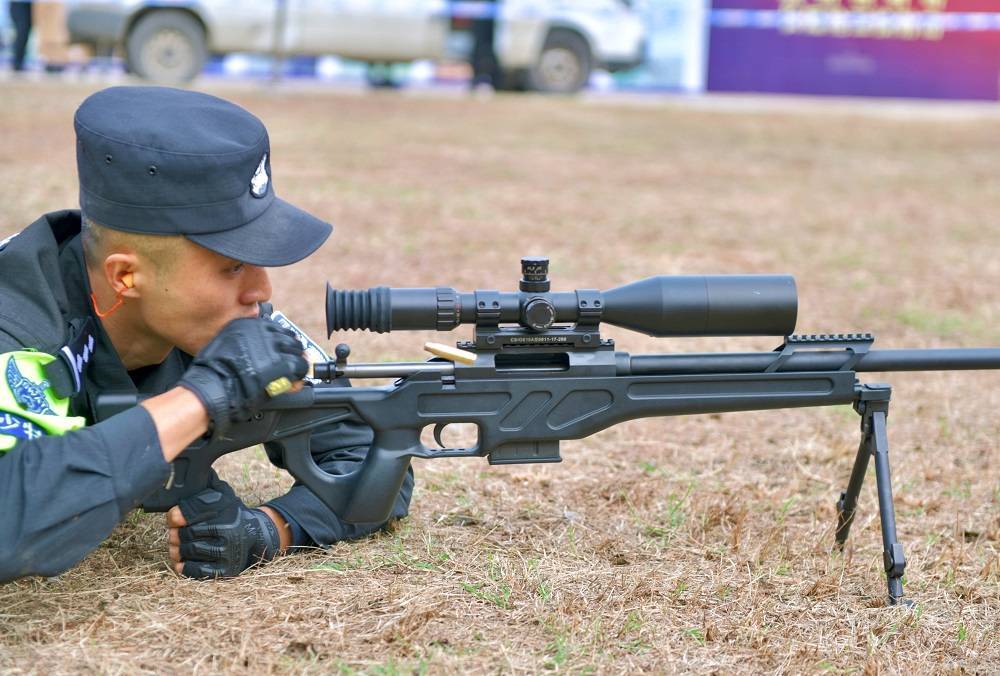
[(213, 534), (232, 373)]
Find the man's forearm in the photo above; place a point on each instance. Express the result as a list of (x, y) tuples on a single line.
[(179, 417)]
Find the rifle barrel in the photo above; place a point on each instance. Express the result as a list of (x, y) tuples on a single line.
[(952, 359)]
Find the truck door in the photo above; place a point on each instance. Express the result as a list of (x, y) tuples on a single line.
[(371, 30)]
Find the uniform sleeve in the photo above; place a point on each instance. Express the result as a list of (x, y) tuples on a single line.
[(338, 449), (60, 496)]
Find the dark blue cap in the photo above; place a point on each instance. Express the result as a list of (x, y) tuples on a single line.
[(158, 160)]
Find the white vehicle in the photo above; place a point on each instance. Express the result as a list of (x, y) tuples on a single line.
[(543, 45)]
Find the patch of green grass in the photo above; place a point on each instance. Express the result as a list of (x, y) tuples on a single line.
[(500, 597), (352, 563), (544, 590), (558, 651), (496, 590), (963, 490), (571, 536), (649, 468), (343, 668), (786, 505), (394, 668), (939, 323), (632, 631), (671, 519), (696, 634)]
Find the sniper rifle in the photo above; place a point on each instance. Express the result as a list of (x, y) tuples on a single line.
[(538, 371)]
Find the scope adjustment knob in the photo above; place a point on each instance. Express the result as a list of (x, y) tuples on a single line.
[(534, 274), (539, 314)]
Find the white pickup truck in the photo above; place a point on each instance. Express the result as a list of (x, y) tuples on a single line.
[(545, 45)]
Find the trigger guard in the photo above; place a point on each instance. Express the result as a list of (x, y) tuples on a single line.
[(438, 429)]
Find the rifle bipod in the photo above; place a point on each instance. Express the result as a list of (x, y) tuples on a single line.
[(872, 404)]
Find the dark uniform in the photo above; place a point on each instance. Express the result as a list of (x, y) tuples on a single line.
[(66, 481), (485, 67)]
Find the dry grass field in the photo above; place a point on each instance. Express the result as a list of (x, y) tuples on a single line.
[(666, 545)]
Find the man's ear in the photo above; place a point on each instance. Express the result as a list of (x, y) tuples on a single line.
[(122, 273)]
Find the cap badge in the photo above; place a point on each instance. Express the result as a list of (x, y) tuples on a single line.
[(258, 184)]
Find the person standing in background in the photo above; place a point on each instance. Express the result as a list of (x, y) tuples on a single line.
[(51, 34), (485, 67), (20, 16)]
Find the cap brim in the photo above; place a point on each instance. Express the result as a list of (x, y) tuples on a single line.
[(282, 235)]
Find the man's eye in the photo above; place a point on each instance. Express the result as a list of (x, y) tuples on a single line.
[(237, 268)]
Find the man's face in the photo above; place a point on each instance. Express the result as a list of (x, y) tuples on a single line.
[(198, 293)]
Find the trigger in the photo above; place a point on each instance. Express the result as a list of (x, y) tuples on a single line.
[(438, 429)]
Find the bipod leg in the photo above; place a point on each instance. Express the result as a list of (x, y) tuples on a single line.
[(873, 406), (848, 503)]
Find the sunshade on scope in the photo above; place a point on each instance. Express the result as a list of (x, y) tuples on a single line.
[(688, 305)]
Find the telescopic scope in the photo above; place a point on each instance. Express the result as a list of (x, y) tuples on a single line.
[(666, 305)]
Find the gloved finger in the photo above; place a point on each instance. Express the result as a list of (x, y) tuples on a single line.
[(298, 365), (279, 337), (200, 550), (215, 483), (175, 519), (202, 506), (289, 346), (201, 570), (200, 531), (275, 327)]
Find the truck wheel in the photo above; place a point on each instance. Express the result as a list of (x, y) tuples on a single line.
[(564, 65), (166, 46)]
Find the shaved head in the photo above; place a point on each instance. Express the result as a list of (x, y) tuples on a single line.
[(100, 241)]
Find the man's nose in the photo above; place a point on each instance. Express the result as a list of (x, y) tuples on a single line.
[(258, 286)]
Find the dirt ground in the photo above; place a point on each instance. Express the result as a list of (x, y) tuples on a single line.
[(698, 543)]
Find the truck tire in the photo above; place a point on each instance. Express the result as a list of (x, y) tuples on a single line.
[(166, 46), (564, 65)]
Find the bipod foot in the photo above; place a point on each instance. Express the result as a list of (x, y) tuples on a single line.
[(872, 404)]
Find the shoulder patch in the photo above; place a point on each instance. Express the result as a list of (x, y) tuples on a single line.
[(73, 357), (29, 394), (15, 426)]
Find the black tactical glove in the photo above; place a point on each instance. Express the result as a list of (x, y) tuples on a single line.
[(223, 536), (232, 373)]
